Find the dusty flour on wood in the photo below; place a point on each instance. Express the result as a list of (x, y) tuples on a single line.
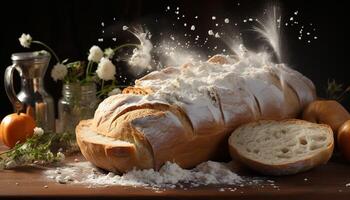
[(169, 176)]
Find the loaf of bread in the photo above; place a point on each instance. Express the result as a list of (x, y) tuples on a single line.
[(185, 114), (282, 147)]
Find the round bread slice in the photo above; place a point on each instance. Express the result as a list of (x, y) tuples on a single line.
[(281, 147)]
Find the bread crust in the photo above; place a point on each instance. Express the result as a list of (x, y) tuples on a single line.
[(302, 86), (137, 90), (116, 158), (326, 112), (322, 157), (183, 131)]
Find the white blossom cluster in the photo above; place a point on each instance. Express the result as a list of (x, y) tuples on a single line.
[(106, 69), (25, 40), (95, 54), (59, 71)]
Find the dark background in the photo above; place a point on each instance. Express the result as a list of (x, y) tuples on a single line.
[(72, 27)]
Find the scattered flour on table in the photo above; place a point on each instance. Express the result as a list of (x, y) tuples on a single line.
[(169, 176)]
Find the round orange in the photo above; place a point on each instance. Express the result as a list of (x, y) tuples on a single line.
[(343, 139), (16, 128)]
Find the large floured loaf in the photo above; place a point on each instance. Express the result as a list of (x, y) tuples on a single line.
[(186, 114), (282, 147)]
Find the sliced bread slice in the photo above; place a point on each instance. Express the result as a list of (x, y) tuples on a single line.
[(282, 147)]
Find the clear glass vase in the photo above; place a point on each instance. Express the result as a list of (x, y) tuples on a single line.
[(78, 102)]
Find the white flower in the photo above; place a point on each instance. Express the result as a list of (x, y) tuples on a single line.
[(60, 156), (142, 56), (114, 92), (59, 71), (25, 40), (38, 131), (105, 69), (95, 54), (109, 53)]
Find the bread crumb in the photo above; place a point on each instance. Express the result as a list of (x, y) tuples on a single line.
[(45, 186), (347, 185), (305, 179), (17, 183)]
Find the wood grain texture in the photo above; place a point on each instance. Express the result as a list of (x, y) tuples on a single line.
[(325, 182)]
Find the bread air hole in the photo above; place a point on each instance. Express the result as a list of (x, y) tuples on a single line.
[(256, 151), (303, 141), (276, 135), (248, 150), (284, 150)]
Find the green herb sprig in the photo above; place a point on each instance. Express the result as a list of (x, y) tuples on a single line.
[(336, 91), (42, 149)]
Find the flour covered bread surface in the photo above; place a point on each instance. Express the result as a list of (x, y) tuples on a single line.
[(185, 114), (282, 147)]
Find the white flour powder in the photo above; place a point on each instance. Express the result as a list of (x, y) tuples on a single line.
[(169, 176)]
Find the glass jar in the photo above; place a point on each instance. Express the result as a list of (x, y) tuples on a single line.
[(78, 102)]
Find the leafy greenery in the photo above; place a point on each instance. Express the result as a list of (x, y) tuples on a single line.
[(39, 150), (75, 71), (336, 91)]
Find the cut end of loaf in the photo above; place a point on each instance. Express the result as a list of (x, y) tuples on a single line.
[(109, 153), (282, 147)]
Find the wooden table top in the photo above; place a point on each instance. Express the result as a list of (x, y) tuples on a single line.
[(324, 182)]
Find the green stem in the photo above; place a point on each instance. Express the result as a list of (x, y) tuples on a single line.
[(341, 96), (51, 51), (4, 152), (88, 69), (125, 45), (103, 84)]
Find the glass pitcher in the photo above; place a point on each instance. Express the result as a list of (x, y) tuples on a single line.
[(78, 102), (32, 99)]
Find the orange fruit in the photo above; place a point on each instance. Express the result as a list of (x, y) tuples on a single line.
[(16, 127), (343, 140)]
